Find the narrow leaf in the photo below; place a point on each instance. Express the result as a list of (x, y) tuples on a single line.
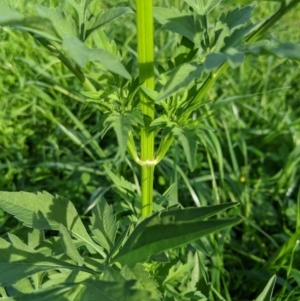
[(69, 246), (162, 234), (266, 294), (81, 55)]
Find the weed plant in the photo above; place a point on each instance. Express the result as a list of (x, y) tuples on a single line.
[(67, 100)]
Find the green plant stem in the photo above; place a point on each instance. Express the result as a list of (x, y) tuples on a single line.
[(144, 17)]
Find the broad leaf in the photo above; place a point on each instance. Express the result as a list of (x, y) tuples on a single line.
[(18, 261), (179, 78), (266, 294), (103, 224), (81, 55), (105, 17), (46, 212), (237, 17), (64, 24), (178, 22), (155, 235)]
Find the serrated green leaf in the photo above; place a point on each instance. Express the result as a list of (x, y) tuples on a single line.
[(46, 212), (193, 214), (69, 246), (81, 55), (105, 17), (64, 24), (179, 78), (18, 261), (35, 237), (266, 294), (237, 36), (144, 281), (178, 22), (237, 17), (103, 224), (155, 235)]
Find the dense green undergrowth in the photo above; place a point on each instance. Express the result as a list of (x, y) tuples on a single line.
[(52, 139)]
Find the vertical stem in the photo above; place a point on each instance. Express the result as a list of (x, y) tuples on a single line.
[(144, 15)]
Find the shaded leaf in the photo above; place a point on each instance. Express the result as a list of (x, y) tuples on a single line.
[(284, 50), (188, 140), (144, 281), (154, 235), (179, 78), (46, 212), (237, 17), (105, 17), (18, 261), (64, 24), (177, 22)]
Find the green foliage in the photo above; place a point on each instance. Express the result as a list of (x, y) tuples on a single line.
[(236, 141), (155, 234)]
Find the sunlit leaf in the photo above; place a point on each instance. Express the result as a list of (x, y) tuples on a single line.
[(81, 55), (103, 224), (46, 212), (18, 261)]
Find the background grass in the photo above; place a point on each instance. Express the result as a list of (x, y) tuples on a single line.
[(46, 132)]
